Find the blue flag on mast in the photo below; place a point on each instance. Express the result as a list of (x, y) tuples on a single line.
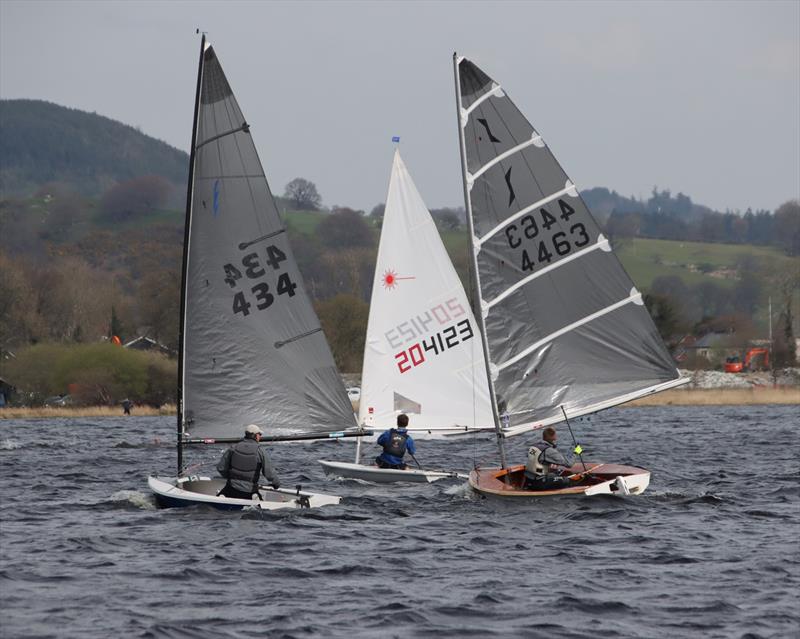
[(396, 138)]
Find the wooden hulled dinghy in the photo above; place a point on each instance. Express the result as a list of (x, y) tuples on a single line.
[(608, 479), (565, 332)]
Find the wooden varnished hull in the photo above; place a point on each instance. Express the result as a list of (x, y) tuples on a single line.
[(607, 479)]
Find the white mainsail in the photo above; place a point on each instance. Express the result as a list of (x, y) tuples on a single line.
[(423, 354), (564, 327)]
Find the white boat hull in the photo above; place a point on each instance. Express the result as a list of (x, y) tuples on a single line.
[(384, 475), (173, 492)]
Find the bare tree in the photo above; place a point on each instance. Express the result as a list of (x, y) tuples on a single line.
[(303, 194)]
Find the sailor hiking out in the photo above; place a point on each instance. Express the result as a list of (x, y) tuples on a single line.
[(243, 464), (546, 463), (396, 442)]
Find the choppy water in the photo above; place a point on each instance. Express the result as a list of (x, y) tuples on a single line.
[(711, 550)]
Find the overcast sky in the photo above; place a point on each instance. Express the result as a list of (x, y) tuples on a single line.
[(697, 97)]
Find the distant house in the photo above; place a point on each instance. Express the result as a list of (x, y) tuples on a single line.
[(709, 347), (145, 343)]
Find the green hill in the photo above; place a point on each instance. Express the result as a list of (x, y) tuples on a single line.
[(42, 142)]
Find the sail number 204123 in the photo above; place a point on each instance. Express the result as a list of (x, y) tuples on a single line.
[(437, 343), (252, 268)]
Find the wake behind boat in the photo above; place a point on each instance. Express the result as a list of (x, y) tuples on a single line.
[(252, 350), (564, 331)]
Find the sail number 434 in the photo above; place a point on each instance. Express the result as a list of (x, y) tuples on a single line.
[(260, 293)]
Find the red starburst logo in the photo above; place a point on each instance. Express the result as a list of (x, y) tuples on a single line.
[(390, 279)]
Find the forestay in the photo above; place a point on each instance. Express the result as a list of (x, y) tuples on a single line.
[(564, 324), (423, 354), (253, 349)]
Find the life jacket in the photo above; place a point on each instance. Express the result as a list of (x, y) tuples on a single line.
[(534, 467), (245, 463), (396, 446)]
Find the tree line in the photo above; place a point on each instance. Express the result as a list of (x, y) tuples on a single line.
[(75, 269)]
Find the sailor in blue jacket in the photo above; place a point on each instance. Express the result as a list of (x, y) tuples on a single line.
[(395, 442)]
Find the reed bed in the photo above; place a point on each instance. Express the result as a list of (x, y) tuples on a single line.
[(45, 412), (722, 397)]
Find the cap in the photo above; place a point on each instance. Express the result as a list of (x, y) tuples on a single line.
[(252, 429)]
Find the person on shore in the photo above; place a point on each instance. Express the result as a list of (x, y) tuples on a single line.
[(126, 406), (243, 464), (546, 464), (396, 442)]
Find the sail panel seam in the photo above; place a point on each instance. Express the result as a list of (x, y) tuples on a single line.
[(635, 296)]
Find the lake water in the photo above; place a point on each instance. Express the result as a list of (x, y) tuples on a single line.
[(710, 550)]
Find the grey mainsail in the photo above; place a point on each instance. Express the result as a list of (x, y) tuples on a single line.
[(253, 349), (564, 325)]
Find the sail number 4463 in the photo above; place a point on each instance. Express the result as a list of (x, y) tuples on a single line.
[(260, 293), (559, 242)]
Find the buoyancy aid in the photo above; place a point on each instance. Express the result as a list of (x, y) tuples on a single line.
[(534, 466), (396, 446), (245, 463)]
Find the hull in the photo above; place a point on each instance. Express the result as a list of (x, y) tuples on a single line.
[(384, 475), (171, 492), (603, 479)]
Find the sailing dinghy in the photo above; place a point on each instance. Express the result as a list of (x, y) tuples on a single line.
[(251, 347), (564, 331), (422, 356)]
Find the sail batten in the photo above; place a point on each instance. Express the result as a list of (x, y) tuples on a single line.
[(496, 90), (567, 190), (541, 280), (635, 297), (602, 243), (536, 139)]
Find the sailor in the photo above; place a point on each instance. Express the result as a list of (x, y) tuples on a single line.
[(395, 442), (546, 464), (243, 464)]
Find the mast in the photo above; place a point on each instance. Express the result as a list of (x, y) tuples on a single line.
[(475, 280), (184, 265)]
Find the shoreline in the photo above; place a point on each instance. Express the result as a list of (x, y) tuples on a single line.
[(781, 395)]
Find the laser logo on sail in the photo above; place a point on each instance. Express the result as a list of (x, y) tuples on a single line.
[(390, 279)]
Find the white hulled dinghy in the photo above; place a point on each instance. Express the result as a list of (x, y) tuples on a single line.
[(422, 356), (251, 347), (564, 331)]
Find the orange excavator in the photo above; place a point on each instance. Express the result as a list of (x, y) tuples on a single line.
[(735, 364)]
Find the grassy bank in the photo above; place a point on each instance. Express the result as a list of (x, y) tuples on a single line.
[(81, 411), (721, 397)]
